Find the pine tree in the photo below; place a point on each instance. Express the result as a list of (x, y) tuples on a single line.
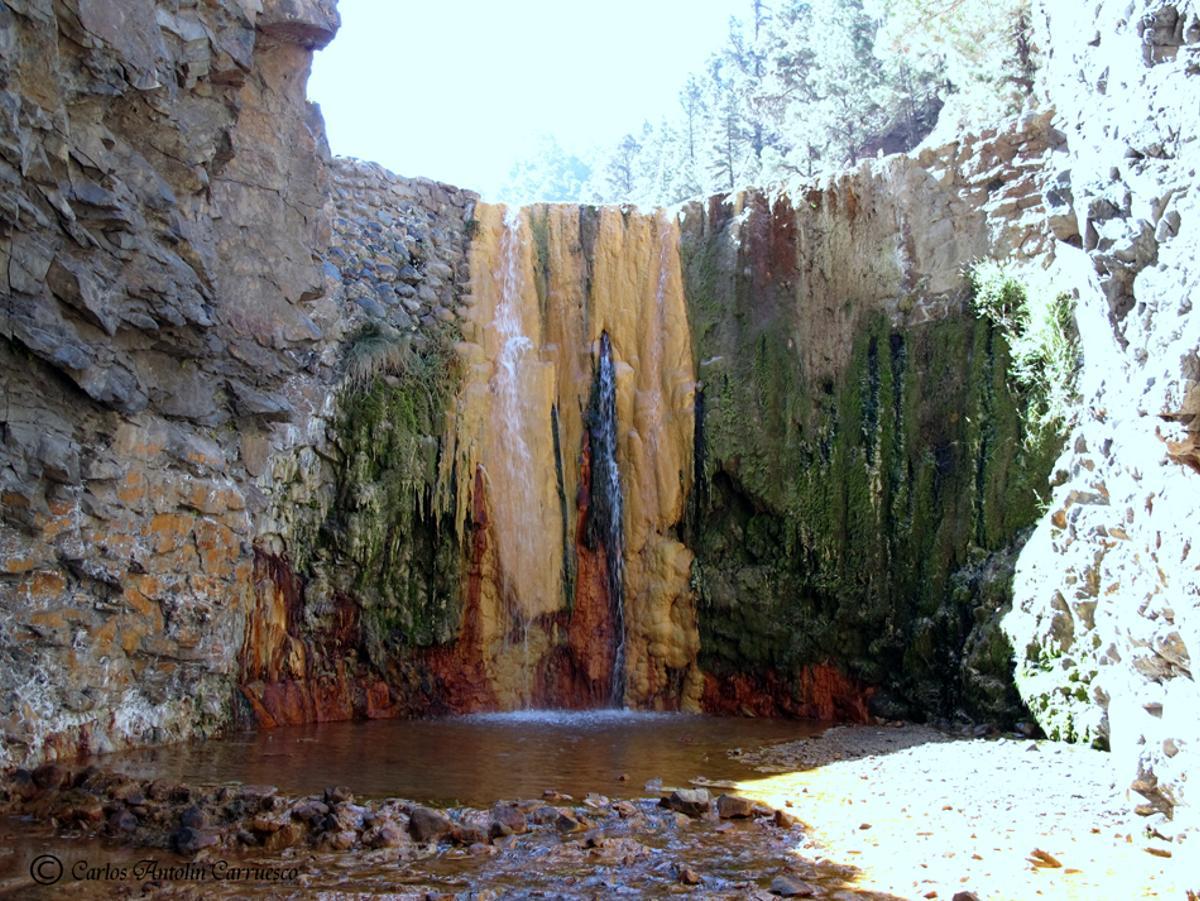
[(728, 147), (694, 111), (977, 52), (805, 86), (621, 171)]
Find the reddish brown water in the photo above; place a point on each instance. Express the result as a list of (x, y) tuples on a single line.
[(474, 760)]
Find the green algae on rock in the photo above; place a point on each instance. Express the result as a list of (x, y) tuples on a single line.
[(385, 529), (847, 503)]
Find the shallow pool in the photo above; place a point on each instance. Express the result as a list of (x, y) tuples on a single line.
[(474, 760)]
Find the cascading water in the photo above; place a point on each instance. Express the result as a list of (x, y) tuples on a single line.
[(608, 504), (555, 342), (517, 552)]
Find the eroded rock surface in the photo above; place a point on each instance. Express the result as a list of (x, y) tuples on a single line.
[(251, 466), (256, 456), (1107, 595), (161, 213)]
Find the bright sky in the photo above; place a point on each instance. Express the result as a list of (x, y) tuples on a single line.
[(458, 90)]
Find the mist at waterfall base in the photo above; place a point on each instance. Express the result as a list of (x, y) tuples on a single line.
[(476, 759)]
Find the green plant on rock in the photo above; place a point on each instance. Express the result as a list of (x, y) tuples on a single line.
[(858, 512), (1038, 324), (394, 549)]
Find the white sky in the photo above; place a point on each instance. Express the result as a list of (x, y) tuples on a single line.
[(457, 90)]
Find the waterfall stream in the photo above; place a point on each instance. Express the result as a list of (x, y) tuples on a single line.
[(518, 553), (606, 492), (577, 593)]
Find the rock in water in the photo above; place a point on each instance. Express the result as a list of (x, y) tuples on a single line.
[(186, 840), (784, 820), (193, 818), (732, 807), (691, 801), (49, 775), (122, 821), (787, 887), (426, 825), (507, 820), (568, 823), (386, 835)]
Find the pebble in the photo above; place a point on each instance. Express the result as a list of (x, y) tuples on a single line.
[(691, 801), (193, 817), (733, 807), (507, 819), (186, 840), (784, 820)]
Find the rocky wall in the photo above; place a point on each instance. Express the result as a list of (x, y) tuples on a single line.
[(255, 455), (853, 466), (361, 568), (161, 195), (450, 559), (863, 469), (1107, 594)]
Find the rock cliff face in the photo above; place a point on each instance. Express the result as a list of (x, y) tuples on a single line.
[(802, 495), (1107, 592), (863, 470), (287, 439), (161, 195), (358, 566)]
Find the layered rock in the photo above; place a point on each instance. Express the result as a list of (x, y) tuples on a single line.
[(161, 197), (459, 557), (1107, 594), (853, 464), (294, 473), (359, 563)]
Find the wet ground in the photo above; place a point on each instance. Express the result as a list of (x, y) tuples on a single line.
[(566, 772), (894, 811)]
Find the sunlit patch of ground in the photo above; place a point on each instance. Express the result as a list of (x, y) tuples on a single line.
[(920, 813)]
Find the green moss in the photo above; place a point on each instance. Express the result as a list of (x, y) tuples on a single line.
[(1038, 323), (388, 544), (539, 227), (845, 515)]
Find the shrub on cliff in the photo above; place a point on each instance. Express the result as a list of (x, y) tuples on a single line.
[(1038, 323)]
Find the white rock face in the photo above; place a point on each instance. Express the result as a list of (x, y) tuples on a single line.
[(1107, 591)]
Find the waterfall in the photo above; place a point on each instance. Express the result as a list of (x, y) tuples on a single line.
[(578, 585), (650, 401), (608, 509), (518, 553)]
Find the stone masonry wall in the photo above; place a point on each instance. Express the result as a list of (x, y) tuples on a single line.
[(396, 270)]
